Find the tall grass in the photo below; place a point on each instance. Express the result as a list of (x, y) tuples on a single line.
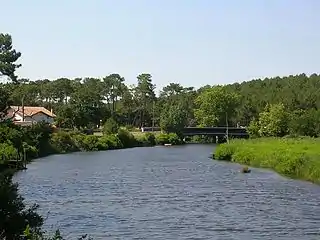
[(292, 157)]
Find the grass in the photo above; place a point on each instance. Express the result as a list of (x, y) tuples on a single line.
[(292, 157)]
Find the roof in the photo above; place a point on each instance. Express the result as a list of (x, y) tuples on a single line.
[(31, 111)]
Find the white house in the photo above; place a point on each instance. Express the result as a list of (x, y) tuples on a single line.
[(29, 115)]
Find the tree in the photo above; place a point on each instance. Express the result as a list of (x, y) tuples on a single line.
[(4, 98), (113, 89), (273, 122), (174, 118), (305, 123), (8, 57), (14, 215), (61, 90), (8, 66), (86, 102), (171, 90), (145, 95), (214, 105)]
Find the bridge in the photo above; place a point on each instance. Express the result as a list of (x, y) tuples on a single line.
[(208, 131), (215, 131)]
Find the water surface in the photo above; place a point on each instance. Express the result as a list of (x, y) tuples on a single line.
[(168, 193)]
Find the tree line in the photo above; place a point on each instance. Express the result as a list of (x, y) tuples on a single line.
[(87, 102)]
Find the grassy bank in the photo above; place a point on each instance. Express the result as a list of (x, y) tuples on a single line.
[(292, 157)]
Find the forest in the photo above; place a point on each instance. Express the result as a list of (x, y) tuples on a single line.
[(89, 102)]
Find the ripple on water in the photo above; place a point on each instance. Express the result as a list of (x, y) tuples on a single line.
[(168, 193)]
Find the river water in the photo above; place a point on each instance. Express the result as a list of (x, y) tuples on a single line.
[(168, 193)]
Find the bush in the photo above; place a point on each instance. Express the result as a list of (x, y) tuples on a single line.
[(63, 142), (162, 139), (174, 139), (14, 215), (110, 126), (31, 151), (7, 152), (170, 138), (110, 142), (294, 157), (90, 143), (146, 139), (126, 138)]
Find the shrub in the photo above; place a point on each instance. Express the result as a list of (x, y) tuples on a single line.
[(162, 138), (126, 138), (14, 215), (110, 142), (110, 126), (7, 152), (146, 139), (150, 139), (31, 151), (170, 138), (174, 139), (63, 142), (90, 143)]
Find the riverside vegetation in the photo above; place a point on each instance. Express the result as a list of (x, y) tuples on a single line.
[(271, 107), (275, 143), (292, 157), (41, 140)]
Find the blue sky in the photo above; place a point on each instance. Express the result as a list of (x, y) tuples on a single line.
[(193, 42)]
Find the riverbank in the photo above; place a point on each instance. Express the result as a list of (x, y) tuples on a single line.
[(66, 142), (292, 157), (25, 144)]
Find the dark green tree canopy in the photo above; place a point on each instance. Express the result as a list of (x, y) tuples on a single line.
[(8, 57)]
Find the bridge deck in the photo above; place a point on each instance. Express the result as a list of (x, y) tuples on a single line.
[(216, 131), (211, 131)]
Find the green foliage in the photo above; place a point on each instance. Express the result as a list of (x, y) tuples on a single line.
[(150, 139), (147, 139), (4, 101), (305, 123), (273, 122), (215, 105), (14, 215), (168, 138), (32, 141), (145, 95), (110, 126), (8, 57), (7, 152), (254, 129), (126, 138), (109, 142), (29, 235), (63, 142), (294, 157), (173, 119), (90, 143)]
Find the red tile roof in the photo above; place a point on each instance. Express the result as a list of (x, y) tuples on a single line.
[(30, 111)]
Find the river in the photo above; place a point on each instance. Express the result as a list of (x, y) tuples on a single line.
[(168, 193)]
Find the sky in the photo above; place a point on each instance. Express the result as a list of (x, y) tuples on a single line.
[(191, 42)]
